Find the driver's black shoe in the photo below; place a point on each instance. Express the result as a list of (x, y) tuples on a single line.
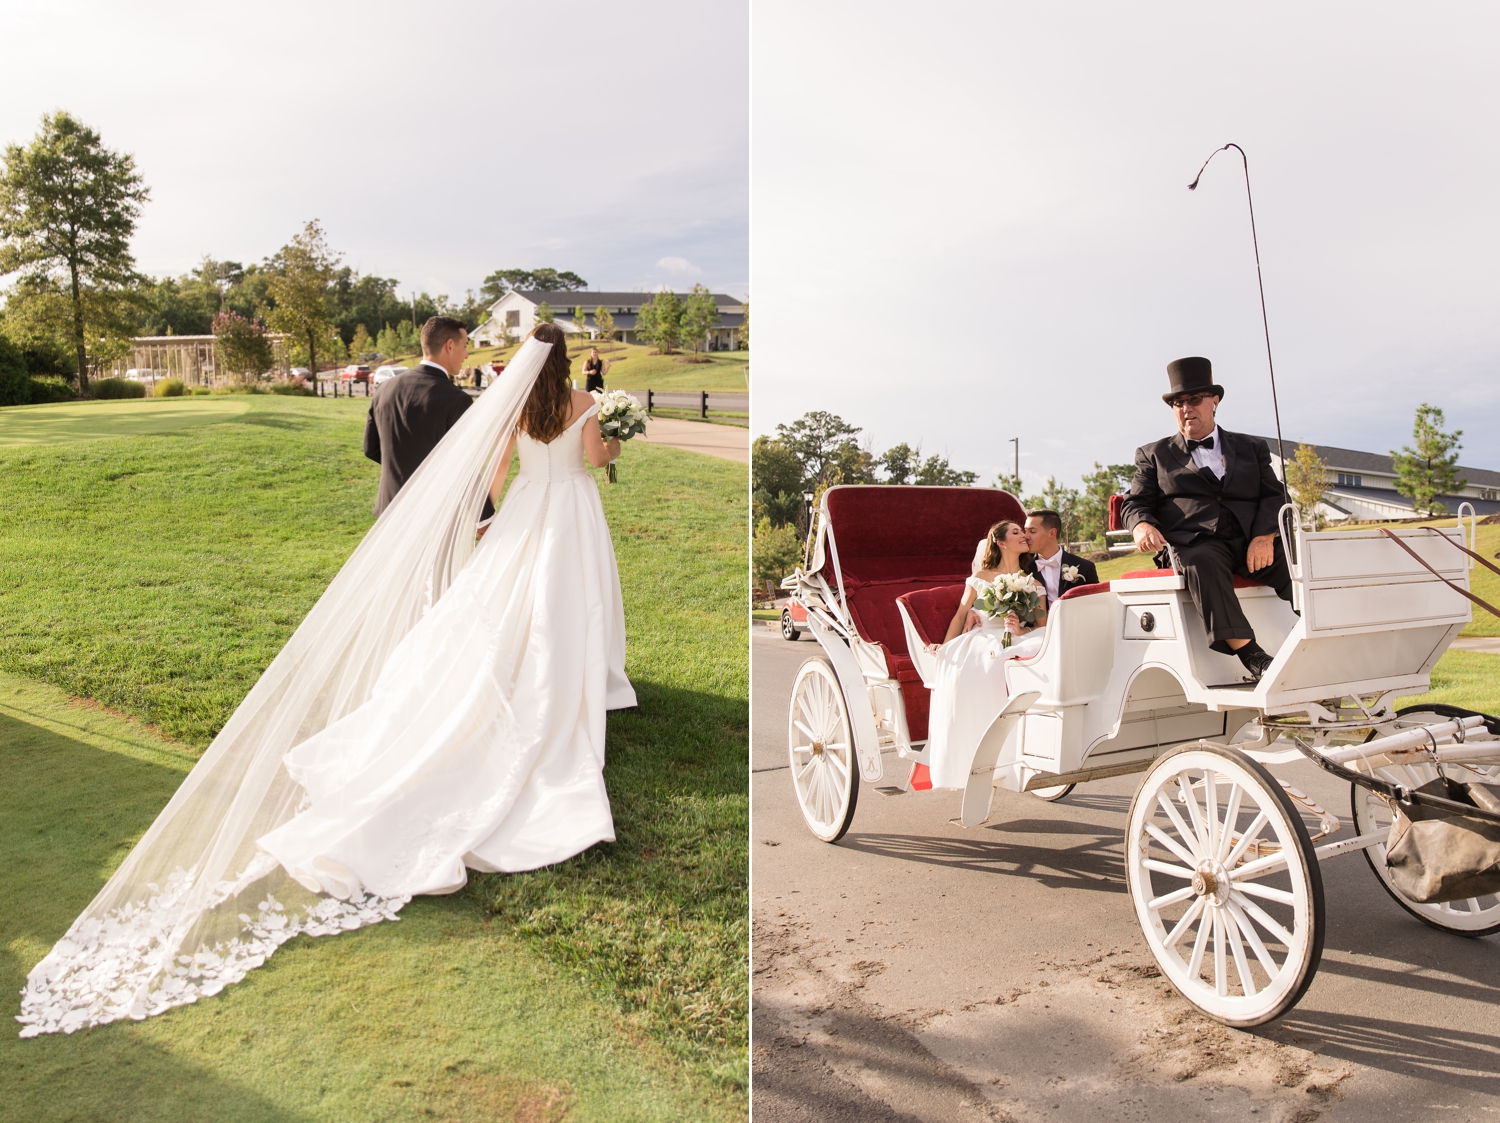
[(1255, 659)]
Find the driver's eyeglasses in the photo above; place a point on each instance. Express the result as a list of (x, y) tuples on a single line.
[(1191, 400)]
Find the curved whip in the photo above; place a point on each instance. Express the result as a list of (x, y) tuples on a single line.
[(1265, 323)]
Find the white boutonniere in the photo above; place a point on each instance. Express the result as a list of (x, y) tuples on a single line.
[(1070, 573)]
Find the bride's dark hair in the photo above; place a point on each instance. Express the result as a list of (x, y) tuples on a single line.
[(998, 534), (545, 415)]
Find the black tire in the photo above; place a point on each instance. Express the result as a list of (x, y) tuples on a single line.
[(788, 629)]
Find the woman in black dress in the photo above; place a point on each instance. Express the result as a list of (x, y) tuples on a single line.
[(593, 371)]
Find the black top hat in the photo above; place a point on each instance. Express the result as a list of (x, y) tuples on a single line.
[(1194, 375)]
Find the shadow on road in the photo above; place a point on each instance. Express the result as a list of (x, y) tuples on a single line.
[(1094, 862), (1452, 1057)]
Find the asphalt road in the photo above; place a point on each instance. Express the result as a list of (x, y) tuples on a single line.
[(920, 971)]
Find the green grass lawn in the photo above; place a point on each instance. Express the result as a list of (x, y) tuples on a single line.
[(25, 426), (634, 367), (156, 575)]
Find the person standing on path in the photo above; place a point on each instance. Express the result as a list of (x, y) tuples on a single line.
[(593, 371), (411, 414)]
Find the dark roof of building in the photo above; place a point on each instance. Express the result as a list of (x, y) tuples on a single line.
[(591, 300), (1351, 460), (1396, 499)]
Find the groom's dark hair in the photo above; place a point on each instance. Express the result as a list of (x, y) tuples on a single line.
[(438, 330), (1050, 519)]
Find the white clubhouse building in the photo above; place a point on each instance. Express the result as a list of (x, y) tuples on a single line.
[(1362, 485), (515, 313)]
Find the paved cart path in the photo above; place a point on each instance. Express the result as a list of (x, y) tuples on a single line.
[(921, 971), (731, 442)]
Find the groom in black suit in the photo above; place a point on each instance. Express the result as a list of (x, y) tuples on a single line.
[(1209, 496), (412, 412), (1058, 570)]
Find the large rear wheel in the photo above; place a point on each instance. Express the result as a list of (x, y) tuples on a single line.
[(820, 745), (1476, 916), (1225, 884)]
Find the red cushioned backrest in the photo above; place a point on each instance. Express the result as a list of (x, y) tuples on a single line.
[(931, 610), (1084, 591), (1116, 510), (876, 617), (888, 533)]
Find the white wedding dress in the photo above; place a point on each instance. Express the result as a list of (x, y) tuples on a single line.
[(442, 708), (970, 692), (483, 745)]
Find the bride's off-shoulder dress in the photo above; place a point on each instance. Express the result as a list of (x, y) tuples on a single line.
[(970, 692), (482, 746)]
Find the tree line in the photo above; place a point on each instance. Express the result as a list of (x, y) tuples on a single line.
[(68, 210)]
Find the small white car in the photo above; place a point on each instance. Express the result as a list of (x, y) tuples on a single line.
[(385, 374)]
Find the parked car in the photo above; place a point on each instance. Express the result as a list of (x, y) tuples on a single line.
[(299, 372), (385, 374), (356, 373), (793, 620), (135, 375)]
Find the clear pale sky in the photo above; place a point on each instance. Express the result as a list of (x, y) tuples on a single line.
[(970, 221), (436, 142)]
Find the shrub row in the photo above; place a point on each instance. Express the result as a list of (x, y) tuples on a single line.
[(117, 388)]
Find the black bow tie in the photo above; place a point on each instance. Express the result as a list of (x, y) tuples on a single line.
[(1206, 442)]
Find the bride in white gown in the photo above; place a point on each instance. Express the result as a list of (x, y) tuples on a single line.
[(970, 689), (435, 713)]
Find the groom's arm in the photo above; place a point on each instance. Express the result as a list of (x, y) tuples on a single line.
[(372, 437)]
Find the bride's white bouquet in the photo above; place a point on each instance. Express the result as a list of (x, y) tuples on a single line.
[(1011, 592), (621, 416)]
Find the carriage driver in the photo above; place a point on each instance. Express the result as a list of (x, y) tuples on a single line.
[(1210, 497)]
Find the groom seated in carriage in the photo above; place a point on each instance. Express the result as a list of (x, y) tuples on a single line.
[(1205, 501)]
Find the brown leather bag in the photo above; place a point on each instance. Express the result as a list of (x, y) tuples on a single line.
[(1437, 853)]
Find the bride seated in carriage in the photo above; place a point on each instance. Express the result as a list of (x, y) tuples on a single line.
[(969, 690)]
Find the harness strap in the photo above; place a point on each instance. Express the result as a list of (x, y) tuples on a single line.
[(1484, 604)]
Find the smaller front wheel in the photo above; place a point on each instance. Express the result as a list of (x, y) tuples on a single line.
[(1225, 883), (820, 745), (1052, 794)]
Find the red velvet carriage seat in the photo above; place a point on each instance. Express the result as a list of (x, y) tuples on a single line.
[(892, 541)]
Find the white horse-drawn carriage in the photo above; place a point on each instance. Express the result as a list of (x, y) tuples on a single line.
[(1220, 861)]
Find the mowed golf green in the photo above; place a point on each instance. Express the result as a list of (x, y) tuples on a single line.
[(27, 426), (144, 583)]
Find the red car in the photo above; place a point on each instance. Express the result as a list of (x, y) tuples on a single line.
[(355, 374), (793, 619)]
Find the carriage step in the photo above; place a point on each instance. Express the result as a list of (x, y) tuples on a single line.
[(1083, 775)]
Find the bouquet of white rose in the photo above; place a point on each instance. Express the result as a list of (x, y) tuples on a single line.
[(1011, 592), (621, 417)]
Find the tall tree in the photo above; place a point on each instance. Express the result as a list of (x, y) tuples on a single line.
[(660, 321), (502, 281), (301, 273), (361, 342), (579, 320), (937, 472), (699, 315), (605, 323), (68, 208), (1093, 503), (824, 445), (1431, 468), (1064, 500), (1005, 481), (544, 313), (243, 346), (900, 463), (742, 333), (1307, 480)]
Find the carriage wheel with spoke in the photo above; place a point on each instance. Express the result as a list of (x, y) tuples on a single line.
[(1225, 884), (1475, 916), (820, 742)]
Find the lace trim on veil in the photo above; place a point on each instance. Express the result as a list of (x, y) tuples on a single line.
[(122, 966)]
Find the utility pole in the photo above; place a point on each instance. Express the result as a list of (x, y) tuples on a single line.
[(1017, 442)]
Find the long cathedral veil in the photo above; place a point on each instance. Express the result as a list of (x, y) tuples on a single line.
[(196, 904)]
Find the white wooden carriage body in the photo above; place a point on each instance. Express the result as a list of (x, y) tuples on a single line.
[(1125, 678)]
